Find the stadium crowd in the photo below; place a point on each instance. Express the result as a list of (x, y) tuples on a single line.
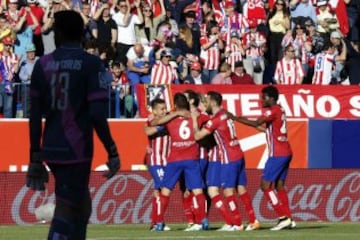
[(186, 42)]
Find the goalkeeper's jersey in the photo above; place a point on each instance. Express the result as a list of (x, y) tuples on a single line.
[(66, 81)]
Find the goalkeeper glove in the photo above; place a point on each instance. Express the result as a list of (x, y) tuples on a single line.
[(37, 174), (113, 162)]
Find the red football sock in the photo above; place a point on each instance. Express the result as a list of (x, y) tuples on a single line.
[(199, 207), (234, 210), (246, 200), (188, 208), (154, 210), (283, 197), (220, 205), (164, 201), (273, 199)]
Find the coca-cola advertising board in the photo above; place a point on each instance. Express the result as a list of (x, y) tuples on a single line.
[(314, 195), (298, 101)]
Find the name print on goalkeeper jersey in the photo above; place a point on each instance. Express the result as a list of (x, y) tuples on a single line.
[(66, 80)]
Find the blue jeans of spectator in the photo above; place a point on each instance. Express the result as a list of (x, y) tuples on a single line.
[(210, 73), (136, 78), (6, 102)]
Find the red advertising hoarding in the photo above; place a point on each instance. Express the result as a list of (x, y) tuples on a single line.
[(314, 195), (299, 101), (131, 141)]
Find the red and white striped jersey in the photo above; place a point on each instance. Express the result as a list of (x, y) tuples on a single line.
[(324, 65), (235, 55), (10, 61), (256, 41), (299, 46), (211, 56), (289, 72), (163, 74), (158, 147), (225, 136)]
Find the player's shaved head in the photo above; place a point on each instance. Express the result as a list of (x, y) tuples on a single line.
[(181, 102), (68, 27)]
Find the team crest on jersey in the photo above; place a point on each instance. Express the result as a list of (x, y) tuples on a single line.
[(209, 123), (267, 113), (157, 91)]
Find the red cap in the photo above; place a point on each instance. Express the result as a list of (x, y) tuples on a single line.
[(229, 4), (252, 23), (196, 66), (7, 41)]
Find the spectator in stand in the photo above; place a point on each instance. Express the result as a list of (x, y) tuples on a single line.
[(190, 22), (5, 29), (302, 8), (211, 45), (126, 22), (106, 33), (24, 33), (38, 12), (326, 18), (90, 47), (26, 69), (157, 8), (171, 21), (138, 64), (47, 28), (163, 72), (353, 63), (8, 69), (239, 75), (195, 76), (147, 31), (223, 77), (298, 39), (232, 21), (336, 38), (289, 70), (352, 9), (254, 43), (235, 51), (325, 65), (89, 23), (13, 13), (279, 24), (176, 7), (185, 42)]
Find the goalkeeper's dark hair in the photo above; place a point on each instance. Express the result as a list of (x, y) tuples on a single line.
[(215, 96), (181, 101), (192, 95), (271, 91), (156, 101), (69, 25)]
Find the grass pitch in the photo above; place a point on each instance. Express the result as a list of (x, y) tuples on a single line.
[(304, 231)]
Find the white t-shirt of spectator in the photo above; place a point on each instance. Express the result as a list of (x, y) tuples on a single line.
[(131, 55), (126, 33)]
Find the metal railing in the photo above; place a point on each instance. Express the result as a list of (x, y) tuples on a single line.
[(15, 101)]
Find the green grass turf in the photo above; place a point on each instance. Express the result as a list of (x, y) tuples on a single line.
[(304, 231)]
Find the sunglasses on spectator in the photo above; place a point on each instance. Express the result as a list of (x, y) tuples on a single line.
[(147, 10), (280, 3), (291, 50), (8, 45), (122, 6)]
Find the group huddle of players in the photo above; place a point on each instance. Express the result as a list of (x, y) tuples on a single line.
[(197, 144)]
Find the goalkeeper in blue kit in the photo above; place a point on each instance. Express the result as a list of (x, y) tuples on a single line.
[(68, 88)]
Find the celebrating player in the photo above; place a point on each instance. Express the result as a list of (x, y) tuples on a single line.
[(183, 159), (233, 174), (69, 88), (280, 154), (157, 154)]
